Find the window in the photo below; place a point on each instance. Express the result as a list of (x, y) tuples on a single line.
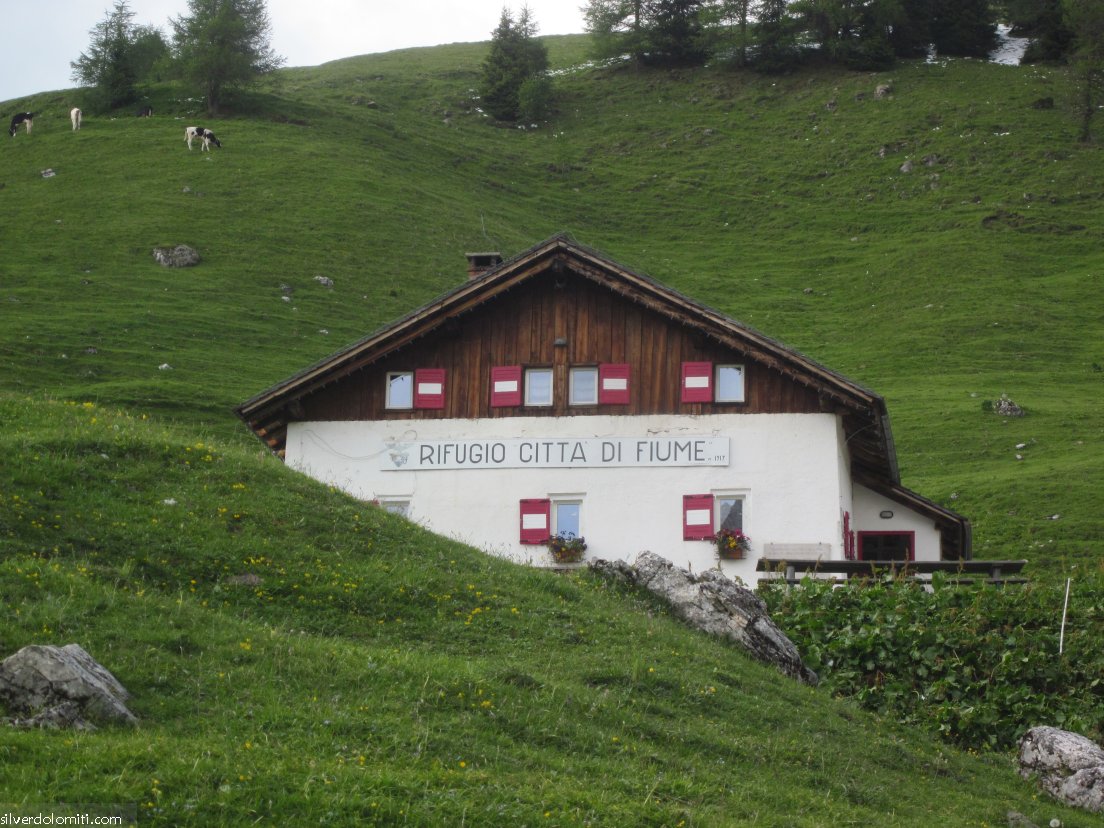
[(583, 384), (730, 512), (424, 388), (730, 383), (538, 386), (706, 514), (400, 389), (395, 505), (887, 546), (567, 515)]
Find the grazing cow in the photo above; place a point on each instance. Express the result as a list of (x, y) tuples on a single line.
[(75, 117), (145, 112), (204, 135), (208, 139), (21, 118)]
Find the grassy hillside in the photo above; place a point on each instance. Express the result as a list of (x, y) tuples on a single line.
[(781, 201), (777, 200)]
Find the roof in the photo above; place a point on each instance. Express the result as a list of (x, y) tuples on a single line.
[(863, 412)]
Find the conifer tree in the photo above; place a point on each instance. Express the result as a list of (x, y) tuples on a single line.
[(223, 45), (516, 56), (107, 65)]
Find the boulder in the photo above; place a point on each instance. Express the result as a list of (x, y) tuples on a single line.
[(882, 90), (1006, 408), (1070, 767), (714, 604), (49, 686), (179, 256)]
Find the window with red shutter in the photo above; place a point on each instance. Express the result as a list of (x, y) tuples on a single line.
[(697, 517), (535, 520), (613, 383), (505, 386), (429, 388), (697, 382)]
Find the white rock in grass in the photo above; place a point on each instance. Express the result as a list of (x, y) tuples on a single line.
[(62, 687)]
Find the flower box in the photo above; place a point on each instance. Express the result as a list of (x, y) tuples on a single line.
[(732, 544), (566, 548)]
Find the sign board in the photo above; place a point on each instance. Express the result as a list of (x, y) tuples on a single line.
[(549, 453)]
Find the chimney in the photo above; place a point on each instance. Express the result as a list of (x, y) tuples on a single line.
[(480, 263)]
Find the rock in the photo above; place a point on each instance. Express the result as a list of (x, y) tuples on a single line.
[(906, 167), (1006, 408), (1070, 767), (882, 90), (714, 604), (325, 281), (60, 687), (1018, 820), (179, 256)]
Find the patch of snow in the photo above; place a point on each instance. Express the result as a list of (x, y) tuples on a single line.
[(1010, 50)]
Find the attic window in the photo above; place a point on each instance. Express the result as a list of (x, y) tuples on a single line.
[(424, 388), (583, 386), (400, 389), (538, 386), (730, 383)]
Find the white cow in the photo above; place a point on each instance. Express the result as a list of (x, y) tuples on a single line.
[(75, 117), (202, 133)]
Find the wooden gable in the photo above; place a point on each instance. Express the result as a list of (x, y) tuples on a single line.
[(560, 305), (593, 327)]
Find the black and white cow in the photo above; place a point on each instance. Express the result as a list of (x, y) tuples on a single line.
[(75, 117), (26, 118), (145, 112), (203, 134)]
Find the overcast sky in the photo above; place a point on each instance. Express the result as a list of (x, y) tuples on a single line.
[(41, 37)]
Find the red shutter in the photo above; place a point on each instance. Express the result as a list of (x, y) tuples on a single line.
[(536, 519), (697, 517), (613, 384), (697, 382), (429, 388), (505, 386)]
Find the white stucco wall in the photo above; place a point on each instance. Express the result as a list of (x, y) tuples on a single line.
[(867, 518), (791, 469)]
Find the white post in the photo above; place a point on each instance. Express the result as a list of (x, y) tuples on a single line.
[(1065, 606)]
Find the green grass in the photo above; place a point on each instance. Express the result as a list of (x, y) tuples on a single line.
[(370, 671), (940, 288)]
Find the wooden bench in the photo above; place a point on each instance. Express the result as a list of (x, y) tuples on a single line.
[(960, 572)]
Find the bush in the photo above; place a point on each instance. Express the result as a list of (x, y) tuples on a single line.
[(535, 98), (977, 665)]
